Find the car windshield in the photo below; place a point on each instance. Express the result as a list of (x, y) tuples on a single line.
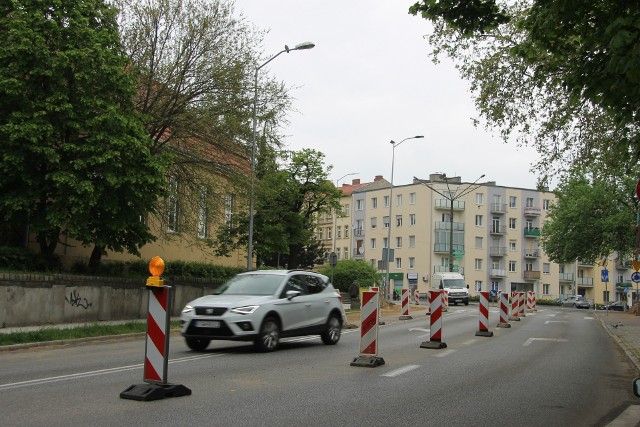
[(251, 284), (454, 283)]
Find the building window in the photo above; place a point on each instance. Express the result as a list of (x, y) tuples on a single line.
[(545, 288), (478, 285), (338, 232), (172, 205), (359, 205), (512, 246), (398, 263), (478, 263), (202, 213), (385, 242), (529, 202), (513, 201), (386, 201), (546, 203), (412, 262), (398, 220), (479, 198), (374, 202), (398, 242), (347, 209), (546, 268), (399, 200), (329, 235), (479, 220), (374, 222), (412, 241), (320, 233), (345, 251), (412, 219), (373, 243), (385, 221), (512, 223), (229, 208), (478, 242), (346, 231), (512, 266), (412, 198)]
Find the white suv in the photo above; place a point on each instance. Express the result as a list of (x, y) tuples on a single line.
[(264, 305)]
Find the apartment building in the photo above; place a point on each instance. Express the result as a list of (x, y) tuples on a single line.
[(487, 232)]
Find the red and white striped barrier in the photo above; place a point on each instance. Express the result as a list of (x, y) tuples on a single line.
[(416, 297), (435, 303), (369, 332), (504, 311), (531, 301), (405, 305), (483, 330), (521, 304), (445, 300), (157, 342), (514, 306)]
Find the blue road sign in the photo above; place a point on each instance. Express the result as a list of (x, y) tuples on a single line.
[(605, 276), (635, 277)]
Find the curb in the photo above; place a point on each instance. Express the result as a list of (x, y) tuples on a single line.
[(622, 344)]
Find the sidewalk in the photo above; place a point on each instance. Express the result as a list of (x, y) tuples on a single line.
[(624, 328)]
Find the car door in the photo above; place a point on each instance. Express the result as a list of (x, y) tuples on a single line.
[(319, 300), (294, 311)]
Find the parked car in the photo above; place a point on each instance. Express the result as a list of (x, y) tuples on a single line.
[(262, 306), (614, 306), (577, 301)]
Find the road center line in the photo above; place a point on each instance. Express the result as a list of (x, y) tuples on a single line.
[(444, 353), (400, 371), (530, 340), (555, 321)]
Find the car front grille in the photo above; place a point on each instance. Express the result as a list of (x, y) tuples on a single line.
[(210, 311), (222, 331)]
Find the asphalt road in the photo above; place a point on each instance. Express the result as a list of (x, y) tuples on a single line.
[(557, 367)]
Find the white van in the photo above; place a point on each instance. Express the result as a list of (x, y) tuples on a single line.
[(454, 283)]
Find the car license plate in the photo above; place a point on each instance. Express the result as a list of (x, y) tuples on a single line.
[(207, 323)]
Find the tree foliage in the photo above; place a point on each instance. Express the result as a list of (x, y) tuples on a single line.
[(75, 157), (348, 271), (288, 199), (558, 75), (590, 219)]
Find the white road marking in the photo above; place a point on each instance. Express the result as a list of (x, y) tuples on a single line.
[(400, 371), (555, 321), (444, 353), (588, 318), (530, 340), (419, 329)]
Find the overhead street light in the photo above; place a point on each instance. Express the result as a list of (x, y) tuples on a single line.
[(451, 197), (388, 254), (287, 49)]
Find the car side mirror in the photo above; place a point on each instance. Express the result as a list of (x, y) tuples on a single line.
[(292, 294), (636, 387)]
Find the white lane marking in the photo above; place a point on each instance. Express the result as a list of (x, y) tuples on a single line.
[(588, 318), (551, 315), (555, 321), (98, 372), (469, 342), (444, 353), (629, 417), (400, 371), (530, 340), (419, 329)]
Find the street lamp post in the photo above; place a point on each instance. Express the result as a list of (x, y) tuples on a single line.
[(335, 214), (287, 49), (386, 258), (452, 196)]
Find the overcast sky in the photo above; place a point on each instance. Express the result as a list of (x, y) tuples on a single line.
[(370, 80)]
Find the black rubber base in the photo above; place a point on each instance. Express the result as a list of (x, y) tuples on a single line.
[(367, 361), (433, 344), (484, 334), (147, 392)]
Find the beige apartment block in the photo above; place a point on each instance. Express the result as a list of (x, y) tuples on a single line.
[(492, 231)]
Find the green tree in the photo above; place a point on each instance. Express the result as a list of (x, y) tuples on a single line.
[(558, 75), (74, 154), (590, 219), (289, 198), (348, 271)]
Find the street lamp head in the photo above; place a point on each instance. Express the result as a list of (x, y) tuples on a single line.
[(419, 136), (303, 46)]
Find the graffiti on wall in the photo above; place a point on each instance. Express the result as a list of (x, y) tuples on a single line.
[(77, 301)]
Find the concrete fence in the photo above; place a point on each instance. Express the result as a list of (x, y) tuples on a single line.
[(29, 299)]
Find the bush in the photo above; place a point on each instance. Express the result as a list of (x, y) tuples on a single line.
[(22, 259)]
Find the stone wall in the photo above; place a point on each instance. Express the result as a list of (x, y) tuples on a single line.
[(30, 299)]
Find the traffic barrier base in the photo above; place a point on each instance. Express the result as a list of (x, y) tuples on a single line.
[(367, 361), (148, 392)]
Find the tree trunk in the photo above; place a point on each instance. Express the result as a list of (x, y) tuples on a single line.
[(96, 256)]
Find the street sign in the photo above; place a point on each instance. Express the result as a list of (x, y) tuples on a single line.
[(333, 259), (635, 277), (605, 276), (636, 265)]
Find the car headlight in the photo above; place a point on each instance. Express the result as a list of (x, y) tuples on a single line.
[(187, 309), (247, 309)]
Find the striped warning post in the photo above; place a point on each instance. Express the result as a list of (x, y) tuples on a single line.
[(531, 301), (445, 300), (483, 330), (435, 304), (504, 311), (534, 302), (514, 307), (369, 332), (521, 303), (405, 305), (157, 342), (416, 297)]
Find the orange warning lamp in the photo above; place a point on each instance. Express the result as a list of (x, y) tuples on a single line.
[(156, 268)]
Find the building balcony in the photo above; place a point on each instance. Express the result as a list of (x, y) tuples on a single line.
[(566, 277), (531, 211), (446, 225), (497, 251), (531, 275), (532, 232), (497, 273), (445, 248), (584, 263), (584, 281), (498, 208), (445, 204), (445, 269), (359, 232), (531, 253), (624, 265), (498, 229)]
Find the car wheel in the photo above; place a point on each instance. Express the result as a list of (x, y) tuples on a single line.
[(466, 303), (197, 344), (574, 306), (331, 335), (269, 336)]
